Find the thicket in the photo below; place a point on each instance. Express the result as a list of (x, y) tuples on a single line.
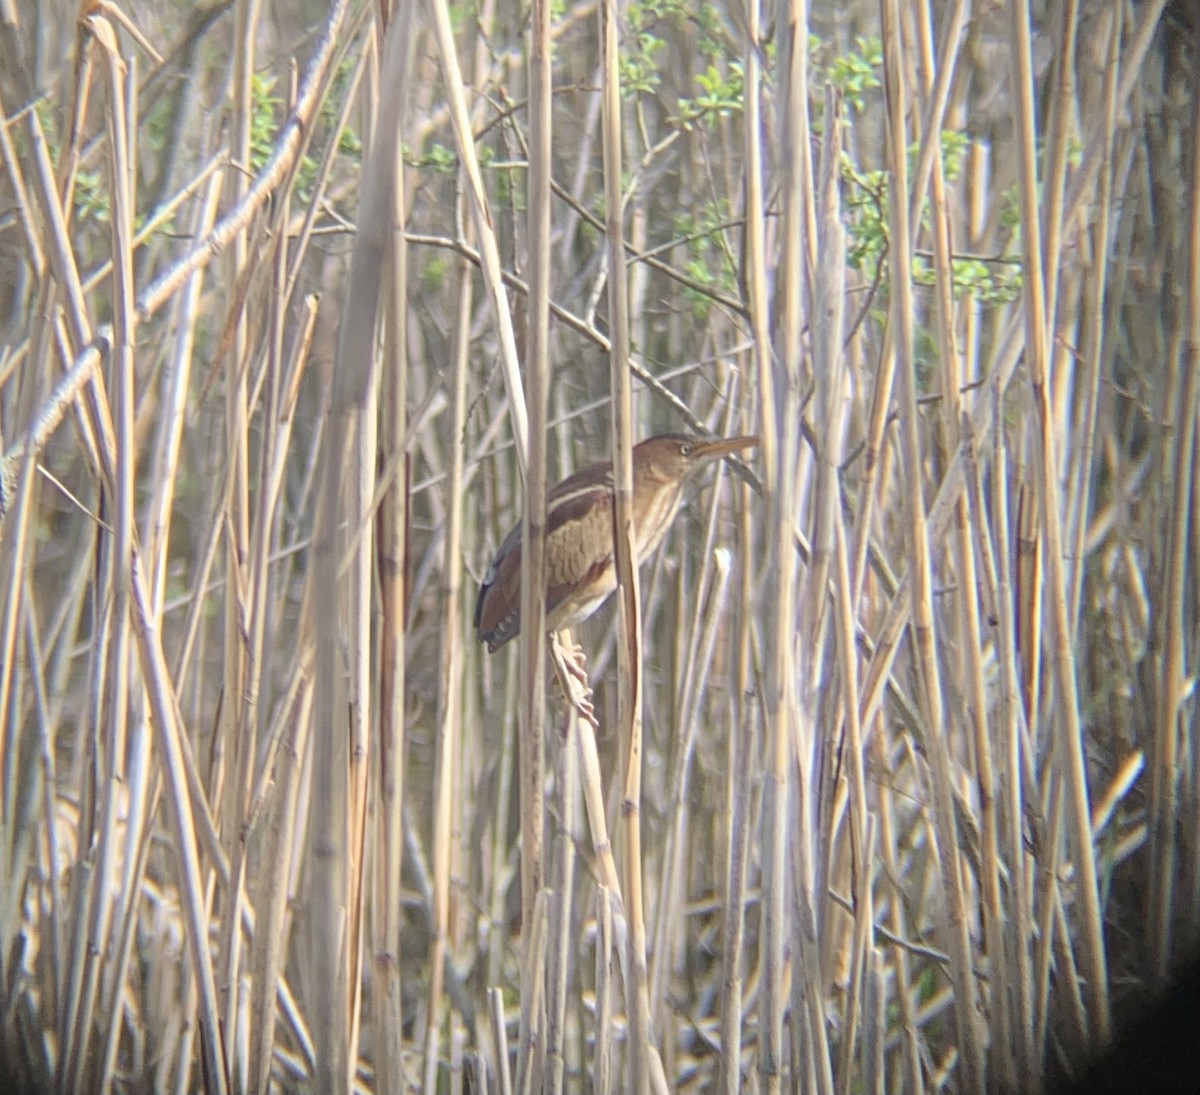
[(915, 803)]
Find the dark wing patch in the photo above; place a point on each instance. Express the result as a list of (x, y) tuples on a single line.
[(578, 544), (498, 609), (580, 499)]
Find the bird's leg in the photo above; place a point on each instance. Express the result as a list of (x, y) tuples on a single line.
[(571, 670)]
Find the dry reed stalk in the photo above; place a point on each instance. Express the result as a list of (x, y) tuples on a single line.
[(1059, 116), (164, 467), (499, 1039), (532, 723), (1174, 734), (778, 542), (736, 846), (484, 228), (362, 657), (908, 1033), (671, 897), (235, 739), (835, 737), (559, 962), (497, 857), (122, 83), (641, 1045), (350, 447), (54, 850), (733, 921), (449, 743), (935, 86), (954, 422), (392, 538), (157, 221), (862, 824), (535, 955), (602, 1062), (362, 505), (564, 651), (990, 526), (271, 895), (17, 481), (164, 718), (143, 798), (1068, 739), (66, 279), (1180, 565), (284, 154), (1094, 347), (921, 547), (107, 910)]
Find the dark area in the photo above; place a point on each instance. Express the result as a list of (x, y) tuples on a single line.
[(1157, 1048), (10, 1082)]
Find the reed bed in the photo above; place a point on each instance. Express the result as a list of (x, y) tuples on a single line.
[(895, 783)]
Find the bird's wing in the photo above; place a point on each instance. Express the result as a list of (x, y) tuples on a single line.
[(569, 527), (578, 543), (498, 607)]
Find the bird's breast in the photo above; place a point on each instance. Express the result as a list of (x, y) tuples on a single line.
[(655, 510)]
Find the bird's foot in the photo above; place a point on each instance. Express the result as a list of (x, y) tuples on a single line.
[(571, 668)]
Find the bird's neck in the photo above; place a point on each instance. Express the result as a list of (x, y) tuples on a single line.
[(654, 516)]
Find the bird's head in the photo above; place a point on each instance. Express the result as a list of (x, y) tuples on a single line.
[(672, 457)]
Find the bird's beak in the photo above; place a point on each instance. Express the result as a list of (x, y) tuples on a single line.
[(722, 446)]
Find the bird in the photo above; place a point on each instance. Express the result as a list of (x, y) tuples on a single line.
[(580, 569)]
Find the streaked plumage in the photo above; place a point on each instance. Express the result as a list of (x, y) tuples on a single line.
[(580, 573)]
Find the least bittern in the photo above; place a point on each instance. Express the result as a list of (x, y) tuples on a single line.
[(580, 570)]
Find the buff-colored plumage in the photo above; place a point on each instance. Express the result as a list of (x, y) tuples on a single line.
[(580, 573)]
